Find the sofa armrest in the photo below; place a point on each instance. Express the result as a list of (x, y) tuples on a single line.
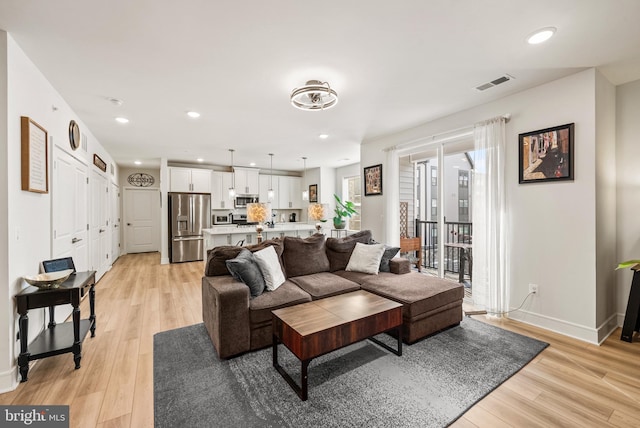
[(399, 266), (225, 312)]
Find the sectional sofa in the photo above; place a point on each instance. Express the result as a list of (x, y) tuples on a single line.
[(315, 268)]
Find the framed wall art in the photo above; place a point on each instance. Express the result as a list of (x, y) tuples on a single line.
[(373, 180), (34, 156), (546, 154), (313, 193)]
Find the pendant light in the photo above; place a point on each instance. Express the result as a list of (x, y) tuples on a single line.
[(305, 192), (232, 189), (271, 194)]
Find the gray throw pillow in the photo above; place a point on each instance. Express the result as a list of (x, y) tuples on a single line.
[(245, 269), (389, 253)]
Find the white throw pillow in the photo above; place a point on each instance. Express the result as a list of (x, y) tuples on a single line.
[(366, 258), (269, 265)]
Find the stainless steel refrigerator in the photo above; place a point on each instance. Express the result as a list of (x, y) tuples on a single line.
[(189, 213)]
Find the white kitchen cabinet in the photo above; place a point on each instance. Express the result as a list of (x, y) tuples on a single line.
[(189, 180), (220, 184), (247, 181), (289, 192)]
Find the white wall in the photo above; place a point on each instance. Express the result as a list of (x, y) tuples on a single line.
[(28, 234), (606, 314), (628, 186), (552, 225)]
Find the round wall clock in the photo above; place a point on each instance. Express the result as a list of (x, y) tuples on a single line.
[(74, 135), (141, 179)]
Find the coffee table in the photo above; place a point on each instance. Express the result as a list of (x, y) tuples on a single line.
[(315, 328)]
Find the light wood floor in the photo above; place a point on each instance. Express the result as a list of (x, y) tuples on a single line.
[(571, 383)]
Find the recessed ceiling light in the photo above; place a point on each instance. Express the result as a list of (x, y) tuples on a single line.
[(252, 164), (200, 160), (541, 35), (122, 120), (115, 101), (323, 136), (193, 114), (138, 163)]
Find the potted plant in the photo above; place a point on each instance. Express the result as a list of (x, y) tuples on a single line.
[(342, 210)]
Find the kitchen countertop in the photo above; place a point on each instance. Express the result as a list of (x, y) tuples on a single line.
[(226, 229)]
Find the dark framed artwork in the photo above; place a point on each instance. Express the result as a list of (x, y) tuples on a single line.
[(373, 180), (546, 154), (313, 193), (97, 161)]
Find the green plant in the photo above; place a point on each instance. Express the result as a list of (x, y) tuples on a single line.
[(343, 209)]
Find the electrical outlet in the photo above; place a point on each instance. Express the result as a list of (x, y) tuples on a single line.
[(533, 288)]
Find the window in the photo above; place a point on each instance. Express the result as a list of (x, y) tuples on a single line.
[(434, 176), (352, 192), (434, 208)]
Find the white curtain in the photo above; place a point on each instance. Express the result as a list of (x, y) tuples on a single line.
[(391, 187), (489, 217)]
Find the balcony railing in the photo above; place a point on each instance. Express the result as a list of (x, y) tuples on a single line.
[(455, 232)]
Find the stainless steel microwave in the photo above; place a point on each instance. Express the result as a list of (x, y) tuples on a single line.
[(226, 218), (242, 201)]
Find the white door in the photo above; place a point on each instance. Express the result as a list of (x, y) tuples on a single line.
[(142, 220), (99, 225), (115, 222), (69, 209)]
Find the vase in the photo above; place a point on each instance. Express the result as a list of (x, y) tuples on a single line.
[(339, 224)]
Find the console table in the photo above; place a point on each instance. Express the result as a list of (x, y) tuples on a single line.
[(62, 338)]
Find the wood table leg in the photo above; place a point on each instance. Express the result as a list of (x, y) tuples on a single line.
[(23, 358)]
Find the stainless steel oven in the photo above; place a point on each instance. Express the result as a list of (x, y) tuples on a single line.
[(242, 201)]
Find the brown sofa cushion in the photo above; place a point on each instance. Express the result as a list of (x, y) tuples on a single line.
[(339, 249), (304, 256), (217, 257), (324, 284), (288, 294), (216, 260), (419, 293)]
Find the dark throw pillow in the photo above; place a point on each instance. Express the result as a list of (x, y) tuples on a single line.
[(389, 253), (245, 269), (339, 250)]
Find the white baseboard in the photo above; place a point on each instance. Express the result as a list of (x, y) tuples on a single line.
[(9, 380), (577, 331), (164, 261), (606, 328)]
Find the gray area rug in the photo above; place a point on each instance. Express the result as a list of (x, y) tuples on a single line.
[(431, 385)]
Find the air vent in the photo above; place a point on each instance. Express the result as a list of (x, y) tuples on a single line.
[(495, 82), (83, 141)]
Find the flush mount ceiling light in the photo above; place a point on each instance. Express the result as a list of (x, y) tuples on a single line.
[(122, 120), (541, 35), (193, 114), (315, 95), (323, 136)]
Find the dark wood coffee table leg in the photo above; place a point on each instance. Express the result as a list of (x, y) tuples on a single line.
[(398, 351), (300, 390)]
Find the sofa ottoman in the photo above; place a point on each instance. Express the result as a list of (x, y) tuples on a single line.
[(430, 304)]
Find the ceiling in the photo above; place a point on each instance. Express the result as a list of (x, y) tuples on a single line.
[(394, 65)]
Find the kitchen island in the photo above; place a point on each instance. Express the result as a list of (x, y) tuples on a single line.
[(247, 235)]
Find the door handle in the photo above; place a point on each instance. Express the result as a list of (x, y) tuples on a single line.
[(74, 240), (101, 230), (128, 224)]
